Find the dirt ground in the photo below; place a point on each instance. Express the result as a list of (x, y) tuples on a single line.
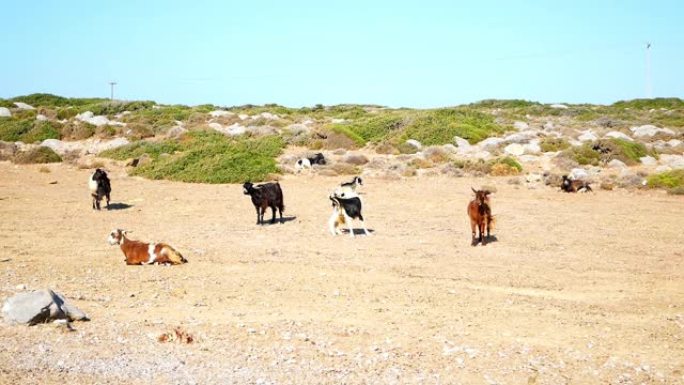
[(577, 289)]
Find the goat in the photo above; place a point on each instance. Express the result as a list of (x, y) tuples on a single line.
[(309, 161), (344, 210), (99, 187), (140, 253), (570, 185), (263, 196), (348, 189), (480, 214)]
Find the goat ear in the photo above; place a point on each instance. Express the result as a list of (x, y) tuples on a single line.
[(473, 190)]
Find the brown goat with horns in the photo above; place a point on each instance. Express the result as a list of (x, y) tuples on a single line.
[(480, 214)]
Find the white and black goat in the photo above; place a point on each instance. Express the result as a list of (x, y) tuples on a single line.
[(263, 196), (344, 210), (307, 162), (99, 187), (348, 189)]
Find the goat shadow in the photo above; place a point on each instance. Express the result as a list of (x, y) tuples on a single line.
[(119, 206), (489, 239), (357, 231), (278, 221)]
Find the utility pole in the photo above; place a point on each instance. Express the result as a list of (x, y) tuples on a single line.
[(649, 86), (112, 84)]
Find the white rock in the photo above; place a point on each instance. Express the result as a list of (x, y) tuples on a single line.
[(298, 129), (559, 106), (490, 142), (574, 142), (99, 120), (220, 113), (236, 129), (548, 126), (663, 168), (514, 149), (648, 161), (533, 178), (41, 118), (650, 130), (520, 126), (482, 155), (38, 307), (674, 142), (578, 174), (5, 112), (521, 137), (615, 163), (674, 161), (587, 136), (269, 116), (533, 147), (23, 106), (528, 159), (243, 116), (414, 143), (176, 131), (461, 143), (618, 135), (216, 126)]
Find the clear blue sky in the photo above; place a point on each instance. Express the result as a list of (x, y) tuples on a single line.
[(397, 53)]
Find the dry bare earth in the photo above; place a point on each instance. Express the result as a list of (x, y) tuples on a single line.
[(578, 289)]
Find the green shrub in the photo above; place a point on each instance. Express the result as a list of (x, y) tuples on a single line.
[(440, 126), (584, 154), (42, 130), (12, 129), (604, 150), (50, 100), (648, 104), (497, 166), (553, 144), (206, 157), (673, 181), (37, 155), (503, 103)]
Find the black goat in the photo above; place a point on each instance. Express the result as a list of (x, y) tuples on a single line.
[(344, 210), (308, 162), (263, 196), (100, 187), (569, 185)]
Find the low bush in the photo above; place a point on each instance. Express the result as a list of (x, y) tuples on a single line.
[(673, 181), (37, 155), (550, 144), (604, 150)]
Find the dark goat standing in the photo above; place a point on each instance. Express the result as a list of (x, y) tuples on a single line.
[(263, 196), (317, 159), (569, 185), (480, 215), (99, 187)]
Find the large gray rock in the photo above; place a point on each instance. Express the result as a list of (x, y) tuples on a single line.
[(23, 106), (414, 143), (514, 149), (521, 126), (650, 130), (587, 136), (5, 112), (615, 163), (38, 307), (673, 161), (648, 161), (618, 135), (220, 113), (578, 174), (490, 143), (559, 106), (461, 143)]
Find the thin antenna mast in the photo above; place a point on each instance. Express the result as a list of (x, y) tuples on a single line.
[(649, 85), (112, 84)]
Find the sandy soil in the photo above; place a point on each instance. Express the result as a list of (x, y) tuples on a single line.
[(578, 289)]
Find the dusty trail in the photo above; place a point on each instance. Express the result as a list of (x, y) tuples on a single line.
[(577, 289)]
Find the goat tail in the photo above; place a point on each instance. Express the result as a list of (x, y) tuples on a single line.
[(491, 223), (174, 256)]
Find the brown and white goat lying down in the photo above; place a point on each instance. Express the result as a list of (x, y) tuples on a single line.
[(140, 253), (480, 213)]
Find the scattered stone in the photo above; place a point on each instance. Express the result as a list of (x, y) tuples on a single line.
[(23, 106), (673, 161), (514, 149), (41, 118), (38, 307), (490, 143), (559, 106), (176, 131), (521, 126), (5, 112), (548, 126), (650, 130), (532, 147), (578, 174), (461, 143), (414, 143), (648, 161), (551, 179), (356, 159), (619, 135), (220, 113), (615, 163), (587, 136), (533, 178)]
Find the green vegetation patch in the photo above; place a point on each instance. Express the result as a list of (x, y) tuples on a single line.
[(206, 157), (440, 126), (28, 130), (553, 144), (604, 150), (37, 155), (673, 181)]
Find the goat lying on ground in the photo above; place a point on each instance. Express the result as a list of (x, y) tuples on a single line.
[(480, 214), (99, 187), (569, 185), (344, 210), (308, 162), (139, 253), (348, 189), (263, 196)]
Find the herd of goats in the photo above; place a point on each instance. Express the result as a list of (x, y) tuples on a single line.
[(345, 201)]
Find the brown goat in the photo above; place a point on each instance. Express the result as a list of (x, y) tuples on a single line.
[(140, 253), (570, 185), (480, 214)]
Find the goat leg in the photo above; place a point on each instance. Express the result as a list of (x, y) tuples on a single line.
[(273, 210), (472, 229)]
